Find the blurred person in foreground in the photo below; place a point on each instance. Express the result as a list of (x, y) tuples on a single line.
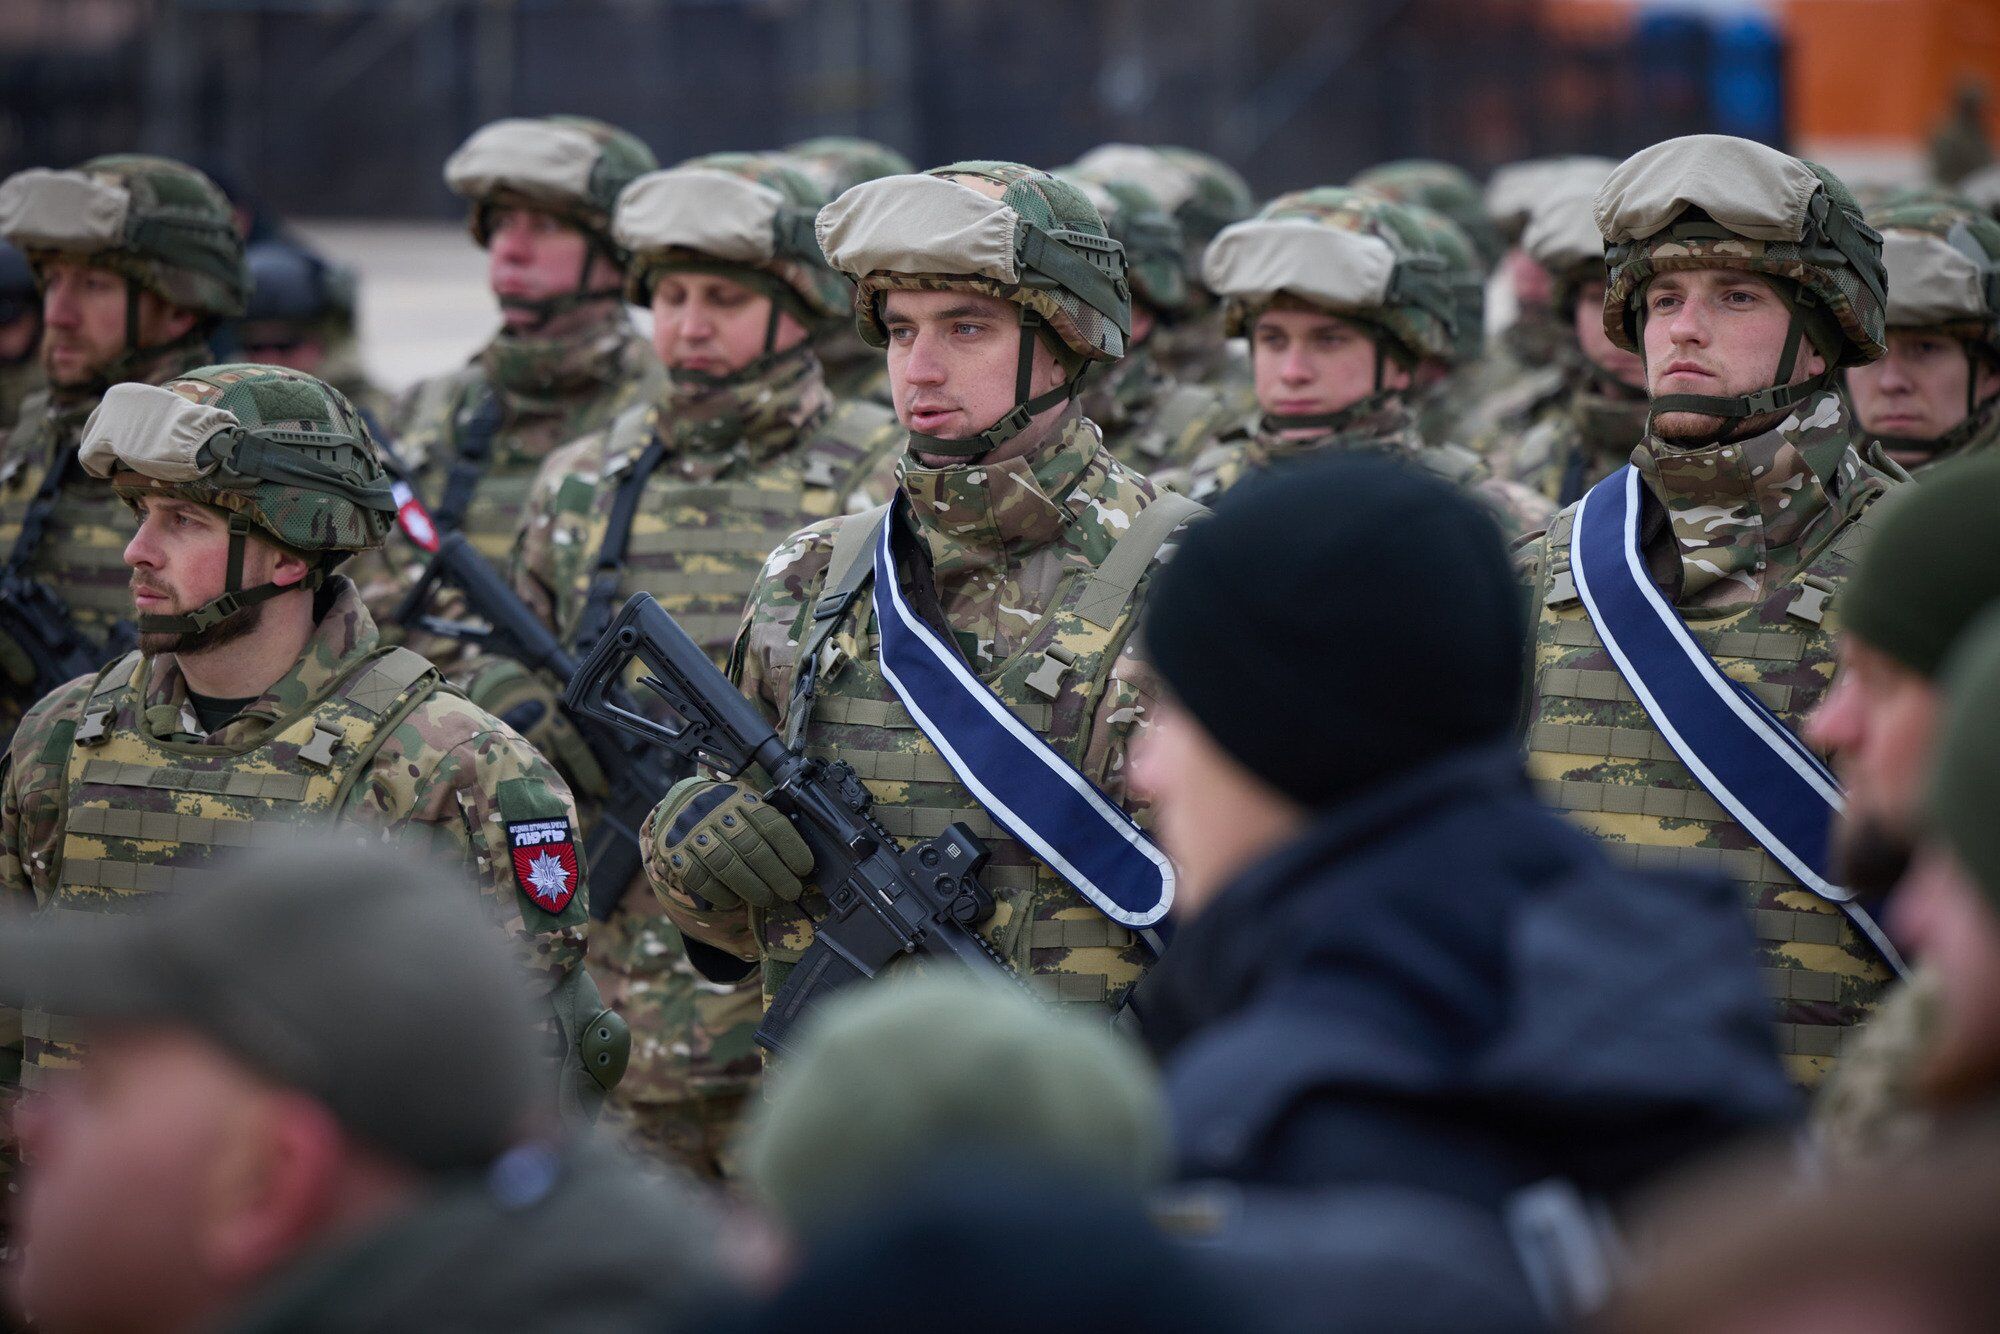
[(1932, 569), (1393, 966), (313, 1104)]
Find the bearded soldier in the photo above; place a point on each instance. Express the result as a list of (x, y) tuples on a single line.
[(1687, 606), (1146, 418), (1583, 414), (260, 697), (566, 359), (683, 498), (1030, 549), (1204, 194), (1936, 392), (1342, 298), (835, 164), (137, 260)]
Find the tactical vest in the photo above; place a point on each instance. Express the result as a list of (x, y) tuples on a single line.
[(81, 554), (482, 487), (144, 816), (1596, 755), (1067, 949), (1172, 433), (698, 546)]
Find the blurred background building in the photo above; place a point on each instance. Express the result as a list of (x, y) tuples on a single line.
[(347, 108)]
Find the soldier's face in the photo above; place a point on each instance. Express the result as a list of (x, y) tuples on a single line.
[(1307, 362), (179, 559), (532, 255), (124, 1202), (713, 326), (1878, 724), (1940, 917), (1212, 816), (1919, 390), (1588, 317), (1721, 333), (83, 318), (953, 359), (281, 343)]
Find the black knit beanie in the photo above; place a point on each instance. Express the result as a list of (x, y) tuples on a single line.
[(1340, 621)]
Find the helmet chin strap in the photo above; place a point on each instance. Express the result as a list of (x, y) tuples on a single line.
[(1976, 410), (1731, 410), (1339, 417), (546, 308), (234, 596), (755, 369), (976, 447)]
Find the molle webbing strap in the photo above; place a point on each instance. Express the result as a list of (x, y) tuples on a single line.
[(1109, 588), (473, 450), (607, 573), (847, 569)]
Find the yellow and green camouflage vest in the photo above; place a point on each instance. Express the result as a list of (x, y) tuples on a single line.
[(697, 546), (1186, 418), (1596, 755), (1067, 949), (81, 554), (145, 816)]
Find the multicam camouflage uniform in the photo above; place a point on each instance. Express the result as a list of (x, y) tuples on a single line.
[(1410, 319), (546, 390), (1203, 194), (727, 471), (113, 787), (1752, 541), (176, 240), (1943, 259), (836, 163), (1014, 545), (1867, 1111), (1148, 420)]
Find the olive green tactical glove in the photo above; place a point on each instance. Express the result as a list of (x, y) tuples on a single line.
[(723, 845)]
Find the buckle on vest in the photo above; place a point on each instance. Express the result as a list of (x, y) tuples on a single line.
[(94, 727), (318, 752), (1810, 604), (1046, 680), (1562, 588), (819, 472)]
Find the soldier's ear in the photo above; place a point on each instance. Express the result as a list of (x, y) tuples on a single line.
[(290, 569)]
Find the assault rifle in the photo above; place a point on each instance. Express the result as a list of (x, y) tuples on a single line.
[(638, 776), (36, 620), (883, 900)]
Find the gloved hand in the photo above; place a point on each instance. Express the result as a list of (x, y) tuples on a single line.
[(720, 843)]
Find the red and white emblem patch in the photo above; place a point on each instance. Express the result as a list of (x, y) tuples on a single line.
[(544, 861)]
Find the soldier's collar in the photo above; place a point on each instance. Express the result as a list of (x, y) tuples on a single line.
[(969, 514), (536, 372), (758, 418)]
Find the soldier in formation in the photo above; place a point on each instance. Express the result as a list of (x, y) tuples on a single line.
[(301, 314)]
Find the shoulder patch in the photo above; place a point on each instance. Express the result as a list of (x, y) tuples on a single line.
[(545, 865)]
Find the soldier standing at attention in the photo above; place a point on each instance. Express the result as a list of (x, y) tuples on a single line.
[(1029, 550), (1341, 297), (1686, 607), (683, 498), (137, 259), (261, 697), (1936, 392)]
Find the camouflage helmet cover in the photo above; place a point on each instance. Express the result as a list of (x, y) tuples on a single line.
[(1349, 252), (836, 163), (1028, 237), (1439, 185), (1518, 190), (1203, 193), (1154, 253), (1466, 276), (1562, 237), (747, 216), (1943, 263), (156, 222), (1709, 201), (282, 449), (569, 166)]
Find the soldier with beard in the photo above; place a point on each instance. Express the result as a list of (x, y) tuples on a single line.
[(137, 259), (1686, 608)]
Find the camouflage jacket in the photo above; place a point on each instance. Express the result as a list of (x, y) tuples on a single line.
[(82, 552), (1867, 1112), (742, 469), (18, 383), (1150, 423), (550, 392), (1012, 543), (1751, 542), (1386, 426), (1581, 436), (445, 774)]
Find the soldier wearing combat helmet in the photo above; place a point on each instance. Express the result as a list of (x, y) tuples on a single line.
[(994, 288), (683, 498), (1342, 298), (1148, 420), (566, 359), (835, 164), (1710, 571), (1936, 391), (262, 697), (137, 260)]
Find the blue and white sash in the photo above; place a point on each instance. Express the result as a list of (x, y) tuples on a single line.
[(1032, 792)]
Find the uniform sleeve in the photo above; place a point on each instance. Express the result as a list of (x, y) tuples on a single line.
[(31, 794)]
